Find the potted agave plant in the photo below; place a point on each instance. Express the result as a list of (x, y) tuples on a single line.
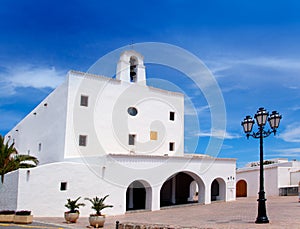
[(72, 215), (97, 220)]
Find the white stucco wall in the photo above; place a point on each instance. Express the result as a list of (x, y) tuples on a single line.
[(284, 177), (278, 175), (272, 181), (39, 189), (295, 178), (251, 176), (107, 123), (45, 125)]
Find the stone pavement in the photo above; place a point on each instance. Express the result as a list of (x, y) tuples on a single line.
[(283, 212)]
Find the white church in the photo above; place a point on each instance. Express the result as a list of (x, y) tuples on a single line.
[(97, 136)]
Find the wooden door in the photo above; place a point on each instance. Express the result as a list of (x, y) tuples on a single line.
[(241, 188)]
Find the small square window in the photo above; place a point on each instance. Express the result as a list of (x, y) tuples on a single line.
[(82, 140), (63, 186), (171, 146), (172, 115), (84, 100), (131, 139), (153, 135)]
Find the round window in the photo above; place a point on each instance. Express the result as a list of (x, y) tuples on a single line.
[(132, 111)]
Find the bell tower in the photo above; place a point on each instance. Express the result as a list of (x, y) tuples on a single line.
[(131, 68)]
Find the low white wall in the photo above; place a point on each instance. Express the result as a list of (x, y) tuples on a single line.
[(40, 187), (295, 178), (251, 176)]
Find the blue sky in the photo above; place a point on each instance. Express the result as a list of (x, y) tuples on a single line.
[(251, 47)]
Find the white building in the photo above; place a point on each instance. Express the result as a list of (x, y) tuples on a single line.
[(281, 177), (96, 136)]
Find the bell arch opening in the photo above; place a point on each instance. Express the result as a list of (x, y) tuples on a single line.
[(133, 69)]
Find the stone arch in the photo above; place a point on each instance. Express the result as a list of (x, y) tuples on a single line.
[(177, 188), (218, 189), (241, 188), (138, 196)]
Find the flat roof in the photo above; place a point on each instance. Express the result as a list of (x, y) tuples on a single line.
[(185, 156)]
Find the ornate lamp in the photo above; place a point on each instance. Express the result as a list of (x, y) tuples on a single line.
[(261, 117), (247, 124), (274, 120)]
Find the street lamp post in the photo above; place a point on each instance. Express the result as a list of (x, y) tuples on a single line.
[(261, 117)]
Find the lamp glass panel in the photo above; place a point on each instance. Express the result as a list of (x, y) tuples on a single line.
[(274, 120), (261, 117), (247, 124), (277, 121)]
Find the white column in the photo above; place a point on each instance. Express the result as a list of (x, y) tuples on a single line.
[(207, 197), (155, 198)]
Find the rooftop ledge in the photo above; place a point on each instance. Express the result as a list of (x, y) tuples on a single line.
[(102, 77), (185, 156)]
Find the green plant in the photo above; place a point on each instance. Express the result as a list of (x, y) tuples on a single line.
[(7, 212), (73, 206), (98, 204), (24, 212), (10, 160)]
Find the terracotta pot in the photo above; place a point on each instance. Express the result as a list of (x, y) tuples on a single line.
[(71, 217), (97, 220)]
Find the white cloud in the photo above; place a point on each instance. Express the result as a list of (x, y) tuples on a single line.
[(223, 64), (190, 110), (222, 134), (246, 73), (6, 89), (292, 152), (295, 108), (29, 76), (291, 133), (238, 67)]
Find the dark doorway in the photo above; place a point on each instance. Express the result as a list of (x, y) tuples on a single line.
[(135, 196), (215, 190), (176, 190)]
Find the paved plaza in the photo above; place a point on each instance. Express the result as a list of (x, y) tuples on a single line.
[(283, 212)]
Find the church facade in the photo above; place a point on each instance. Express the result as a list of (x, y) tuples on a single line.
[(97, 136)]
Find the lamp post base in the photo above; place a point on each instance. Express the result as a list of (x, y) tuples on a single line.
[(262, 215), (262, 219)]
